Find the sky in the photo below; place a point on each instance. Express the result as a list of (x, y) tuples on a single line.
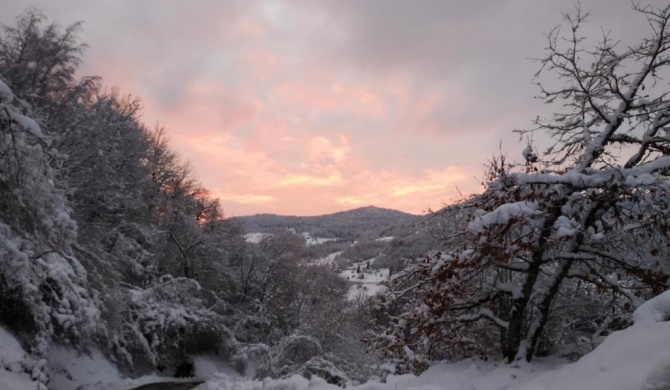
[(307, 107)]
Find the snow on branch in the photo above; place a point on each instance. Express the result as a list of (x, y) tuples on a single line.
[(483, 313), (503, 214)]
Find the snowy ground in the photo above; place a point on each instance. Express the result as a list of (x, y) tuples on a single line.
[(385, 239), (366, 283), (255, 238), (12, 363), (69, 369), (636, 358), (309, 240), (328, 260)]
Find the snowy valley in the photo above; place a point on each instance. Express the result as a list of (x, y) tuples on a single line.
[(119, 269)]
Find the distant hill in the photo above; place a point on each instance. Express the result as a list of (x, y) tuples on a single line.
[(345, 225)]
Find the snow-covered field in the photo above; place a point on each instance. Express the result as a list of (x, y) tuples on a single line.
[(309, 240), (255, 238), (328, 260), (366, 283), (636, 358)]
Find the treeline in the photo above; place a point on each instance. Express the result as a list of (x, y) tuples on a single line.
[(107, 238), (344, 225)]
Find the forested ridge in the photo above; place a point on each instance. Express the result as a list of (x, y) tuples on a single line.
[(343, 225), (108, 240)]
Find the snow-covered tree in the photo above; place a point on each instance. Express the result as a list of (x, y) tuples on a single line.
[(107, 236), (92, 185), (40, 60), (584, 224), (44, 291)]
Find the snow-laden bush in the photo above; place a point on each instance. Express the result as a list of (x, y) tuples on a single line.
[(305, 355), (298, 354), (171, 321), (326, 369), (288, 355)]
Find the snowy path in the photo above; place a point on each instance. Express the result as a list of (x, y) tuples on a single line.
[(169, 386)]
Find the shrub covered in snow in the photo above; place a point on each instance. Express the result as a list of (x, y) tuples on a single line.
[(171, 321)]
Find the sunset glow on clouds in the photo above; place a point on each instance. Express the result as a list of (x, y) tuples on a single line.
[(310, 107)]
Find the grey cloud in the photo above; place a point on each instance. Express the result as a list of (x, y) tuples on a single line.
[(172, 39), (488, 44)]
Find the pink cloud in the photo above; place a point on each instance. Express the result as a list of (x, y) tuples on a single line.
[(333, 178), (214, 104), (320, 148), (269, 126), (244, 199)]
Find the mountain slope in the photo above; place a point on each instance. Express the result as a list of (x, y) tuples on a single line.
[(345, 224)]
